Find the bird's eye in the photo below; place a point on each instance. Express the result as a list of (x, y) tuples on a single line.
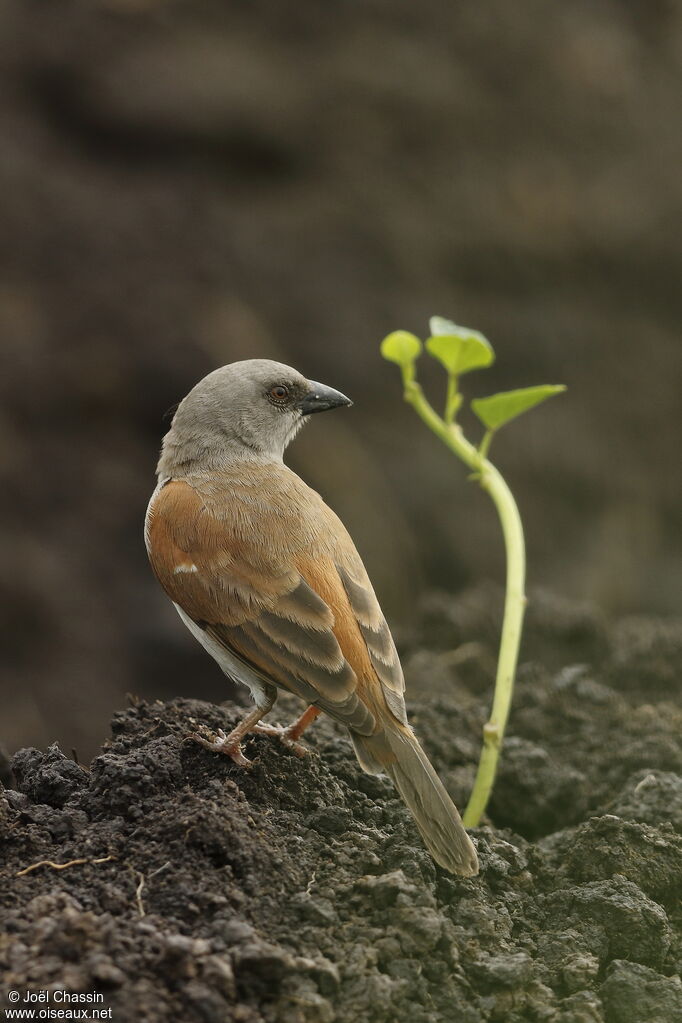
[(279, 392)]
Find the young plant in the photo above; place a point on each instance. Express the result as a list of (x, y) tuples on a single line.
[(461, 350)]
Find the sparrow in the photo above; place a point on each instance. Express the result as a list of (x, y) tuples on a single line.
[(266, 577)]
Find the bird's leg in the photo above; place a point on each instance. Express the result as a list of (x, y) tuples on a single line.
[(298, 727), (231, 744), (292, 732)]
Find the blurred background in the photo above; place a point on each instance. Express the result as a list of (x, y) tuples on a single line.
[(188, 182)]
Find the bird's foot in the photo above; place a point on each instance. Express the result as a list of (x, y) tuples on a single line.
[(230, 745), (287, 736)]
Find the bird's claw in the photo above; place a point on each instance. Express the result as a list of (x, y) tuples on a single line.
[(224, 744), (230, 745), (287, 736)]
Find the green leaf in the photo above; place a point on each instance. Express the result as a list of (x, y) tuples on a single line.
[(439, 325), (459, 349), (498, 409), (401, 347)]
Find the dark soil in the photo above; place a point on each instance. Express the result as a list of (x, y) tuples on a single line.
[(300, 891)]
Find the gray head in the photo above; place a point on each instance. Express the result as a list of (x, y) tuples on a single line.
[(252, 408)]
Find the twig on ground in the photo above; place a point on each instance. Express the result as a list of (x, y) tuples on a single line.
[(142, 881), (138, 891), (63, 866)]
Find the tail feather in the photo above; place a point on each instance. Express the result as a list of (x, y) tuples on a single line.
[(440, 825)]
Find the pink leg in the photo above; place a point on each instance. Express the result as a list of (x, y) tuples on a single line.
[(296, 730)]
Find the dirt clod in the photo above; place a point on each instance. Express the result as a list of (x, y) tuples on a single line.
[(299, 891)]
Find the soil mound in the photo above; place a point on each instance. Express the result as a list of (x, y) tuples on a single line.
[(299, 891)]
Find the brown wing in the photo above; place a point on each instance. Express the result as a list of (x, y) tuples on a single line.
[(283, 612)]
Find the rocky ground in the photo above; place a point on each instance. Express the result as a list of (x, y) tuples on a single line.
[(299, 891)]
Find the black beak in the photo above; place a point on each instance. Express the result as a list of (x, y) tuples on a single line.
[(320, 398)]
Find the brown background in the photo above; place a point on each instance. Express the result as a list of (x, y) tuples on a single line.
[(187, 183)]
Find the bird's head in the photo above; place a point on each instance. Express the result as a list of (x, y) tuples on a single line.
[(254, 407)]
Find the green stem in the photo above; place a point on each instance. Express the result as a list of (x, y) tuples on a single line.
[(484, 446), (515, 600), (453, 400)]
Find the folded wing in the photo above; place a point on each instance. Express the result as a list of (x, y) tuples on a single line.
[(294, 617)]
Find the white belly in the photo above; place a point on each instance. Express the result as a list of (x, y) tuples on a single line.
[(233, 668)]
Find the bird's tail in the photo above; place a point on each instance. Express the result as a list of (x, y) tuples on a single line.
[(399, 754)]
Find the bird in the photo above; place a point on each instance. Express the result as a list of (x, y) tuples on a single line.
[(266, 577)]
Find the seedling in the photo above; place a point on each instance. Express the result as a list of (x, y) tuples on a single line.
[(461, 350)]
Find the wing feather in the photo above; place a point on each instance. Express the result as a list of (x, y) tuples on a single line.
[(377, 636)]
